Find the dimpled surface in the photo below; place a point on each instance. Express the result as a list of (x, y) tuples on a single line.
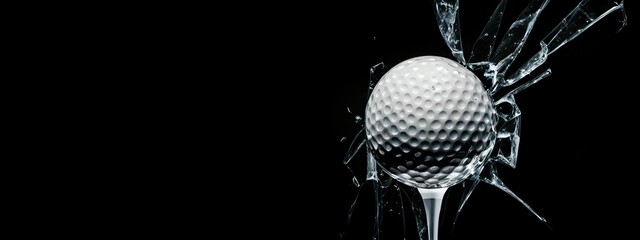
[(429, 122)]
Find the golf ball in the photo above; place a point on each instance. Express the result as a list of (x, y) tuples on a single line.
[(430, 123)]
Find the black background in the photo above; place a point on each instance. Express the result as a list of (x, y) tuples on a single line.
[(279, 169), (579, 130)]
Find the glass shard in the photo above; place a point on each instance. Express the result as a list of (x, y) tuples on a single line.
[(392, 221), (356, 145), (495, 181), (490, 79), (580, 19), (415, 199), (385, 214), (447, 17), (352, 151), (576, 22), (525, 85), (533, 63), (467, 190), (508, 140), (516, 36), (373, 76), (372, 171), (366, 208), (483, 47)]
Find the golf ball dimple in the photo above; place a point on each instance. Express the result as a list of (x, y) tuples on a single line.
[(430, 123)]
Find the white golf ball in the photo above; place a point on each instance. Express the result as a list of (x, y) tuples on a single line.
[(430, 123)]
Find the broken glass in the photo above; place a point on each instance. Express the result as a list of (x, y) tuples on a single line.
[(392, 199)]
